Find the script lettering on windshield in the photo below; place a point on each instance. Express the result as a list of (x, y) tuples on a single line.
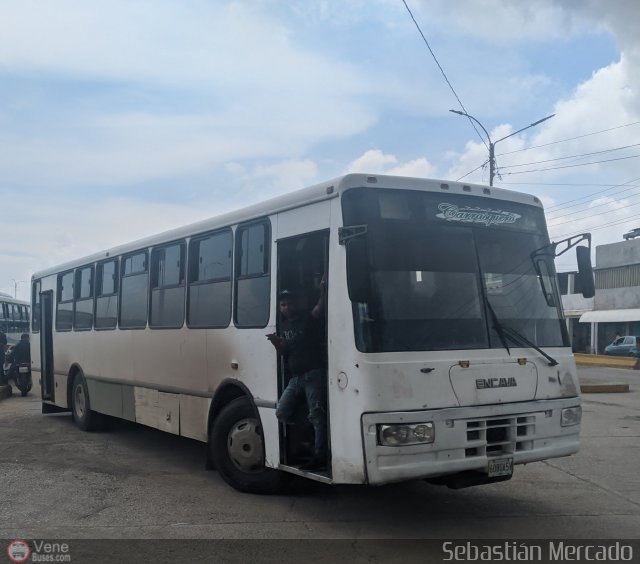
[(451, 212)]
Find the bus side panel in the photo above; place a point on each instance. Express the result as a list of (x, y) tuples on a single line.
[(159, 410), (60, 386), (194, 414), (344, 401), (270, 434), (112, 399)]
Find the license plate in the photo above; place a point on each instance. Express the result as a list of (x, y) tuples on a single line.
[(23, 369), (500, 467)]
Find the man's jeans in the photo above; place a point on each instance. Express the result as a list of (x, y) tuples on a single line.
[(312, 386)]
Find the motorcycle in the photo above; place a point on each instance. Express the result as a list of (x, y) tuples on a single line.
[(19, 372)]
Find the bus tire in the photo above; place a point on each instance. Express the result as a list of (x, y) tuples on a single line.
[(83, 417), (237, 450)]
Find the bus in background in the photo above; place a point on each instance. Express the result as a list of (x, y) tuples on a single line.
[(14, 317), (447, 352)]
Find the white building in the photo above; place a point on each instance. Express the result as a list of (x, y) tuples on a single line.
[(615, 309)]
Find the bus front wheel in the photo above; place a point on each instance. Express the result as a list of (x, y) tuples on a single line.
[(83, 417), (237, 450)]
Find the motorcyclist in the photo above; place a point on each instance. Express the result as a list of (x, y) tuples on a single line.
[(3, 348), (20, 358)]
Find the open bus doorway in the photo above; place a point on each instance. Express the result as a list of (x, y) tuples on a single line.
[(302, 265)]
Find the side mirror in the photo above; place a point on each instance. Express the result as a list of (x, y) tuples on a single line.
[(358, 268), (585, 272)]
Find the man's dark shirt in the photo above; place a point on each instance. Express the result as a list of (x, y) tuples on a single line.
[(22, 352), (303, 344)]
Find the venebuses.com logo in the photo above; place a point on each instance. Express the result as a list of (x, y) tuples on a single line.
[(18, 551)]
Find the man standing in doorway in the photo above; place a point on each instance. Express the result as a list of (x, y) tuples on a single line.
[(301, 343)]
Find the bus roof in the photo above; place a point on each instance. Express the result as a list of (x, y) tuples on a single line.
[(9, 299), (305, 196)]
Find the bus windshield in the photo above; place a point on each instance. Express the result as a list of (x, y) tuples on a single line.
[(444, 269)]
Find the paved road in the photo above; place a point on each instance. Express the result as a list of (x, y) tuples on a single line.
[(135, 482), (596, 374)]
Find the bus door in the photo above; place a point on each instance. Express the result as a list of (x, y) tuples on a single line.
[(46, 345), (303, 262)]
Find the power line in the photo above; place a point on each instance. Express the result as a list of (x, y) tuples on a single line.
[(586, 216), (570, 138), (581, 184), (471, 171), (571, 166), (583, 203), (442, 70), (563, 206), (600, 205), (575, 156), (611, 224), (609, 187)]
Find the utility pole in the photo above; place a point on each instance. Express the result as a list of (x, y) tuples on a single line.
[(492, 144)]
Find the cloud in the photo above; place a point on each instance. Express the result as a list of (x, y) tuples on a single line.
[(376, 162), (89, 227), (508, 21), (132, 101), (266, 181), (288, 175), (373, 160)]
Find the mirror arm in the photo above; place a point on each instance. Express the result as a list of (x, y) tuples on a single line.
[(571, 242)]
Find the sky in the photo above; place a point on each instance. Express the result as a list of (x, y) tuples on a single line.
[(124, 118)]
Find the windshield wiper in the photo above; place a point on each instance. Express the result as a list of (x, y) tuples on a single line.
[(517, 337), (496, 324)]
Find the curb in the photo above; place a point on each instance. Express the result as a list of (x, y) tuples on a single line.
[(628, 362), (612, 388), (5, 392)]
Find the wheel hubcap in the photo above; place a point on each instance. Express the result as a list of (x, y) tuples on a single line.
[(244, 444), (79, 401)]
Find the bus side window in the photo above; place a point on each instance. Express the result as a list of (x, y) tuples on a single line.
[(210, 276), (253, 280), (83, 310), (35, 312), (167, 286), (134, 291), (64, 305), (107, 279)]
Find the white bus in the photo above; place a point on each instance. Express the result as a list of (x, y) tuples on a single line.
[(14, 317), (447, 353)]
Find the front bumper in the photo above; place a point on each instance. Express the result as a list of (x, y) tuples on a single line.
[(466, 437)]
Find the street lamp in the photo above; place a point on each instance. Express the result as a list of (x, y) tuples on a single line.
[(15, 286), (492, 144)]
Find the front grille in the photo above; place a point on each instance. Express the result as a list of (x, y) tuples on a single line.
[(498, 436)]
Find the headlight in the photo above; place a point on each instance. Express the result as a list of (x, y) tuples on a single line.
[(570, 416), (401, 435)]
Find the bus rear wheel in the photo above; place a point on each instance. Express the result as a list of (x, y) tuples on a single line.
[(237, 450), (83, 417)]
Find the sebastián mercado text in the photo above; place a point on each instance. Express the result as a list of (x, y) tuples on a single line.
[(518, 551)]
